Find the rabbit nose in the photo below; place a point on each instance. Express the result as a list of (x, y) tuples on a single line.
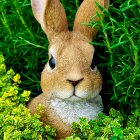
[(74, 83)]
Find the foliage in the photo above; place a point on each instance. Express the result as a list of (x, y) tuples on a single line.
[(108, 127), (119, 52), (16, 121), (70, 8)]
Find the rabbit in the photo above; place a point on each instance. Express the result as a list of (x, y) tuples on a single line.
[(70, 81)]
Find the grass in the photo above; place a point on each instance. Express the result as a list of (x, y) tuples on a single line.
[(120, 39), (23, 42), (25, 47)]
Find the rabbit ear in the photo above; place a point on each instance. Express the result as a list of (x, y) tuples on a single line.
[(51, 15), (87, 9)]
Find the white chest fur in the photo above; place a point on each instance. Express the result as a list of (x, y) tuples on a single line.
[(71, 111)]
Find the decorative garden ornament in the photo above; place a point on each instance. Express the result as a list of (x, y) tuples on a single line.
[(70, 80)]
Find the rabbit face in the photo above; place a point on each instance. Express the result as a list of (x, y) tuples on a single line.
[(71, 77)]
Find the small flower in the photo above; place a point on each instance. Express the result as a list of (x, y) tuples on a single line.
[(40, 109), (10, 72), (16, 78), (2, 84), (26, 95), (1, 58), (2, 68)]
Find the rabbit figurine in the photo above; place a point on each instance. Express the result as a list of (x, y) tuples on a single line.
[(70, 80)]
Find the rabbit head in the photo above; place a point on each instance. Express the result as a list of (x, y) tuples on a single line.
[(70, 73)]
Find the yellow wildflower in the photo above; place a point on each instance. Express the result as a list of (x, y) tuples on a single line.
[(26, 95), (40, 109), (2, 68), (16, 78)]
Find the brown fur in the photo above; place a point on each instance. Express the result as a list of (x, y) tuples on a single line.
[(49, 117), (84, 14), (73, 58)]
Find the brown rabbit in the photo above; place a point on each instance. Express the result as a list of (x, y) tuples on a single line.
[(70, 81)]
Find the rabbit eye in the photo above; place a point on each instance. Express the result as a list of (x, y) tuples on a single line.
[(52, 62), (94, 63)]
